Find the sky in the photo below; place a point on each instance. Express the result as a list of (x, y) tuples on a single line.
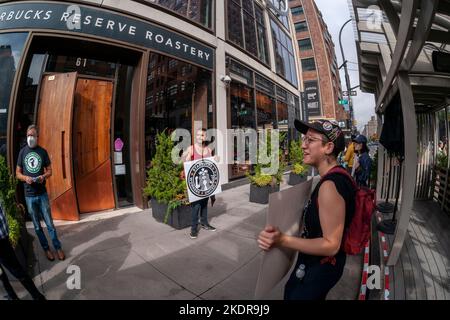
[(335, 14)]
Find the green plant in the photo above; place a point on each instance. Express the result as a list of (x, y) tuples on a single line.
[(259, 177), (8, 201), (442, 160), (296, 152), (164, 182), (299, 169), (296, 157)]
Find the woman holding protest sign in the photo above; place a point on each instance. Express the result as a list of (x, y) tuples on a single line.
[(327, 214)]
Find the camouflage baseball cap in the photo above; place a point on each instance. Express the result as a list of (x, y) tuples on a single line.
[(329, 128)]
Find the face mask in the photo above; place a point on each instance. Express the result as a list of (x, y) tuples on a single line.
[(32, 141)]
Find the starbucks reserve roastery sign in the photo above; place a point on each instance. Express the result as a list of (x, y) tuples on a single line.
[(102, 23)]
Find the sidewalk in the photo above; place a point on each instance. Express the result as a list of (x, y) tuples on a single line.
[(134, 257)]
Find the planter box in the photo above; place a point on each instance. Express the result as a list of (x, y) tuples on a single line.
[(180, 218), (261, 194), (158, 210), (295, 179)]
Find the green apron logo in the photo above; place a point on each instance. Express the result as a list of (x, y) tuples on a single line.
[(33, 162)]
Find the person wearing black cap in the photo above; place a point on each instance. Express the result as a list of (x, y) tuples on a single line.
[(320, 262), (362, 169)]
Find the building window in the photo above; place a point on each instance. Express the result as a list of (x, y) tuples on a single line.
[(279, 4), (284, 54), (296, 11), (308, 64), (11, 46), (246, 27), (301, 26), (176, 98), (305, 44), (199, 11), (265, 103)]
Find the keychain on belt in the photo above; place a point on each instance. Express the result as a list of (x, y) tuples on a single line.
[(300, 272)]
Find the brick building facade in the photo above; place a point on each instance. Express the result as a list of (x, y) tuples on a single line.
[(320, 73)]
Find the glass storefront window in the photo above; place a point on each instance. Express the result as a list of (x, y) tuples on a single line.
[(242, 106), (11, 47), (282, 109), (199, 11), (26, 101), (246, 27), (122, 132), (179, 95), (265, 106), (276, 108), (242, 112), (283, 118)]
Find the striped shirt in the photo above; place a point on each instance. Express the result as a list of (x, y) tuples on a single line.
[(3, 225)]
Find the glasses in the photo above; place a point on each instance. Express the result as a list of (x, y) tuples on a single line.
[(308, 140)]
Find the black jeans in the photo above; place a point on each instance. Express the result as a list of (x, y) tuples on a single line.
[(8, 260), (199, 208), (319, 278)]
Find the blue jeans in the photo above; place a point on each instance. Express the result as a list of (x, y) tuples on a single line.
[(199, 208), (39, 207)]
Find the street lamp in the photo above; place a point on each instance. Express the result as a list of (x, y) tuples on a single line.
[(347, 78)]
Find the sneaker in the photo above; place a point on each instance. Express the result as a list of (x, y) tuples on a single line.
[(194, 234), (208, 227)]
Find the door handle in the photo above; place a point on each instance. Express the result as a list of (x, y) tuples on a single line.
[(63, 158)]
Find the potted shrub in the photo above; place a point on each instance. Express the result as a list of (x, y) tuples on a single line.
[(166, 187), (262, 184), (18, 234), (299, 171)]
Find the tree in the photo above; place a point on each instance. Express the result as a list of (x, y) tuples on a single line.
[(8, 201), (164, 182)]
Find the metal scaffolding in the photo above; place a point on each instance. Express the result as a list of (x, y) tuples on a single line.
[(403, 65)]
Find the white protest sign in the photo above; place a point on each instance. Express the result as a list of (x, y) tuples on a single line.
[(202, 178)]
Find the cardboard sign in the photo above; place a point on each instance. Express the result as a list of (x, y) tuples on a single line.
[(202, 178), (285, 212)]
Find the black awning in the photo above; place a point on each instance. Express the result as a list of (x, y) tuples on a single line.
[(392, 134)]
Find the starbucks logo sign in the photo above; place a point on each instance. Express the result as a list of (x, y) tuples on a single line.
[(33, 162), (203, 178)]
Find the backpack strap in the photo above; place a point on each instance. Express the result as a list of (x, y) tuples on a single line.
[(342, 171), (339, 170)]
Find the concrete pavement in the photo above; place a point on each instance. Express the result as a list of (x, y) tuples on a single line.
[(134, 257)]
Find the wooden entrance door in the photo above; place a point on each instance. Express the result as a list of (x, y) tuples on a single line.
[(92, 145), (55, 123)]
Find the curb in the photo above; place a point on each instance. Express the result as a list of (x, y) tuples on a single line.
[(363, 291), (385, 248)]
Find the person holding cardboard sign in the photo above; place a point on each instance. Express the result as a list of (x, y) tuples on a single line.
[(328, 212), (199, 208)]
